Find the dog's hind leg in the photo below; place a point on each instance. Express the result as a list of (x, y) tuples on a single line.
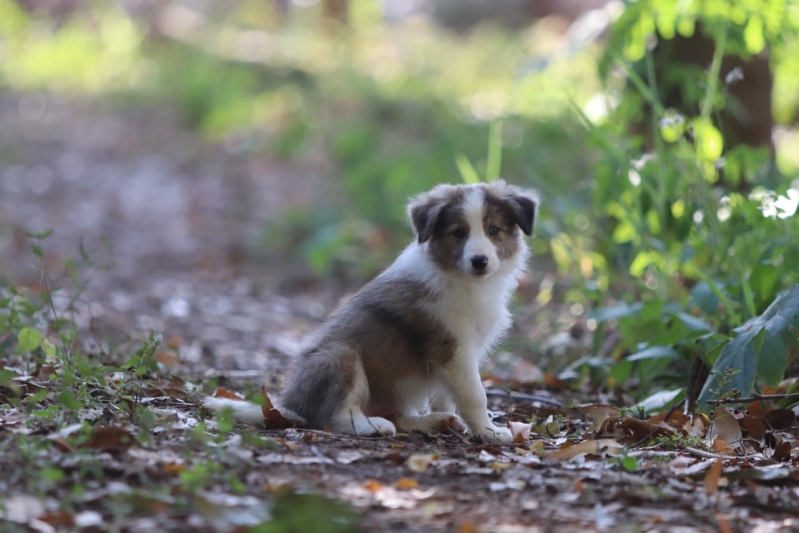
[(430, 423), (351, 418)]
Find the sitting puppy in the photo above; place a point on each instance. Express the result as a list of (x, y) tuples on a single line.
[(403, 353)]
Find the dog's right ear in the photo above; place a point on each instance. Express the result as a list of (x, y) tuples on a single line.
[(424, 212)]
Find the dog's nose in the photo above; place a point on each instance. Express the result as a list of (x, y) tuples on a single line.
[(479, 262)]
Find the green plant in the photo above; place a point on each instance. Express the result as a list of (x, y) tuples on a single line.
[(698, 255)]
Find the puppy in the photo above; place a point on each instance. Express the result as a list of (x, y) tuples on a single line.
[(404, 352)]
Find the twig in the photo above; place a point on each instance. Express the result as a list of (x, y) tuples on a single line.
[(67, 356), (756, 397), (522, 396), (702, 454)]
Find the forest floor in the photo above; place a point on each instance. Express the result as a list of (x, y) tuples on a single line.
[(184, 218)]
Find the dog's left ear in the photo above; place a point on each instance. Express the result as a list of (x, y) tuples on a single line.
[(525, 207)]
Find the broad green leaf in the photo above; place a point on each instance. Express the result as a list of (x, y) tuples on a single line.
[(28, 339), (693, 323), (615, 312), (467, 171), (68, 400), (659, 400), (654, 352), (760, 348)]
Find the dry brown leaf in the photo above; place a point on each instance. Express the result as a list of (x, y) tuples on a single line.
[(725, 427), (406, 483), (468, 527), (42, 372), (175, 394), (112, 437), (273, 418), (599, 412), (675, 419), (724, 527), (722, 447), (58, 518), (167, 358), (173, 468), (780, 419), (537, 447), (221, 392), (372, 485), (755, 427), (554, 383), (782, 451), (608, 446), (419, 462), (712, 478)]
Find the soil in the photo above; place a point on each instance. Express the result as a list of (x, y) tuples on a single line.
[(185, 218)]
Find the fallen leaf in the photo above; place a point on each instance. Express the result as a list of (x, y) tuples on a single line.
[(406, 483), (42, 372), (725, 427), (712, 478), (754, 427), (166, 358), (58, 518), (520, 431), (112, 437), (554, 383), (419, 462), (722, 447), (537, 447), (609, 446), (780, 419), (782, 451), (221, 392), (273, 418), (724, 527), (175, 394), (372, 485)]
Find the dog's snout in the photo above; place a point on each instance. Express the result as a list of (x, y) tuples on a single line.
[(479, 262)]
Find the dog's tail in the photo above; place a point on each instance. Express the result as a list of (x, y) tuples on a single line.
[(244, 411)]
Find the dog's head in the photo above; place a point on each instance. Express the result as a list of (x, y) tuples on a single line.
[(473, 229)]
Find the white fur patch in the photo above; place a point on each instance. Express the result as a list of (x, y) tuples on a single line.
[(478, 244)]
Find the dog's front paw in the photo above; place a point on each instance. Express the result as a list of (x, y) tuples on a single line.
[(497, 433), (379, 427)]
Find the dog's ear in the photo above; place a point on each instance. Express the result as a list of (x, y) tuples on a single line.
[(424, 212), (524, 206)]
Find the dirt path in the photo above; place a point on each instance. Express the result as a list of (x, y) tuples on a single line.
[(183, 218)]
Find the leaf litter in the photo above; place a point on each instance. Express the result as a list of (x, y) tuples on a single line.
[(139, 453)]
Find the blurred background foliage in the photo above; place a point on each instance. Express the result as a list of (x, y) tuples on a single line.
[(661, 134)]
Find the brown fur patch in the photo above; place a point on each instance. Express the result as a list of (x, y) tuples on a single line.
[(383, 327)]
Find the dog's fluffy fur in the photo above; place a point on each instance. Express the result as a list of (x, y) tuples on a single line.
[(403, 353)]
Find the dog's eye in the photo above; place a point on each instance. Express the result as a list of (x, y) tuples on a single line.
[(493, 230), (459, 234)]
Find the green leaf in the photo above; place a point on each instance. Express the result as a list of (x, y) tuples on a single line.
[(494, 163), (616, 312), (753, 35), (654, 352), (760, 348), (28, 339), (628, 463), (37, 250), (68, 400), (709, 141), (468, 173)]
